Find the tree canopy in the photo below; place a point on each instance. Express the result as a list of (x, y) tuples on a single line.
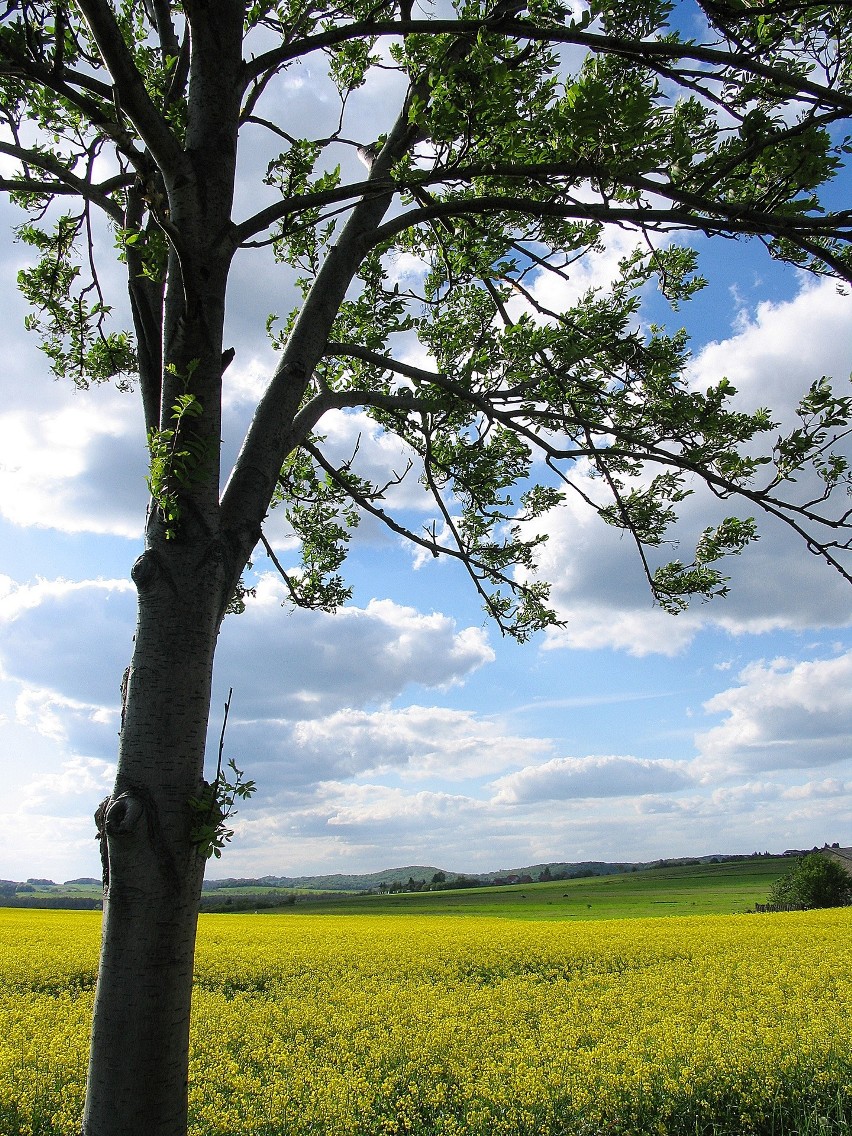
[(520, 136), (813, 881)]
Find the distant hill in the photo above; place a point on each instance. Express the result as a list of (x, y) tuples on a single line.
[(390, 877), (266, 891), (337, 882)]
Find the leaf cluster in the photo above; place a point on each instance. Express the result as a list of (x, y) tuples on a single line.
[(180, 457), (322, 517), (70, 317), (813, 881), (213, 807)]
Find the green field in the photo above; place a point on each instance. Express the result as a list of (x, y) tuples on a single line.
[(704, 889)]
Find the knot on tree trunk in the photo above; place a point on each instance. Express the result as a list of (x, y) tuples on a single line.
[(115, 816), (145, 571), (123, 814), (100, 825)]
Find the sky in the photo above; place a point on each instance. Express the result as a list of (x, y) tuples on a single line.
[(403, 729)]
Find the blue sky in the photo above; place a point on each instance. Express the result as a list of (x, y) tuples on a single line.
[(403, 730)]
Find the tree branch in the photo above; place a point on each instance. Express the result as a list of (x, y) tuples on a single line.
[(93, 112), (793, 515), (691, 210), (66, 183), (356, 351), (269, 438), (471, 564), (131, 95), (644, 52), (733, 220), (270, 552)]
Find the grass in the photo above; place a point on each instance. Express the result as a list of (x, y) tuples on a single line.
[(704, 889)]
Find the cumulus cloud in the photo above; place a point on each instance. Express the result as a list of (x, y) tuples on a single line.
[(782, 348), (293, 758), (364, 806), (346, 824), (827, 789), (72, 638), (78, 466), (57, 847), (82, 727), (599, 589), (572, 778), (308, 664), (782, 715), (596, 270), (377, 455), (304, 681), (60, 792), (420, 741), (759, 813)]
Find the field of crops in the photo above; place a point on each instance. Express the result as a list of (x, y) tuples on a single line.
[(487, 1027)]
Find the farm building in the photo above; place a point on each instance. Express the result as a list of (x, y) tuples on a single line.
[(843, 856)]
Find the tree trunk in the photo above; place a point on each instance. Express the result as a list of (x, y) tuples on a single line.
[(138, 1069)]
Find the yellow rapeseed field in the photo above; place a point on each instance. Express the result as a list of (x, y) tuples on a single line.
[(463, 1025)]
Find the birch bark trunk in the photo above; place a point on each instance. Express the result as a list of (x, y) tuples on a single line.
[(138, 1069)]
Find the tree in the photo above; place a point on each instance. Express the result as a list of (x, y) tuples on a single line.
[(502, 160), (813, 881)]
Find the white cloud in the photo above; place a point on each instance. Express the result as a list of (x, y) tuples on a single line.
[(596, 270), (309, 664), (65, 645), (70, 638), (420, 741), (367, 805), (347, 824), (83, 726), (828, 788), (782, 715), (46, 845), (378, 456), (779, 351), (61, 792), (599, 588), (292, 758), (571, 778), (77, 467)]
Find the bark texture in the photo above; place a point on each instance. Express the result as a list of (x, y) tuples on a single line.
[(152, 870)]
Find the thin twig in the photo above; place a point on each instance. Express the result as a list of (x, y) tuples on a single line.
[(222, 735)]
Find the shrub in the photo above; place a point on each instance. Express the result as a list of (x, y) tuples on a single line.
[(814, 881)]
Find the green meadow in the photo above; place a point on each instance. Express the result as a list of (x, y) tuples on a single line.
[(696, 889), (703, 889)]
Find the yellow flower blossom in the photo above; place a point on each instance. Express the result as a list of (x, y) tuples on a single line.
[(463, 1026)]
